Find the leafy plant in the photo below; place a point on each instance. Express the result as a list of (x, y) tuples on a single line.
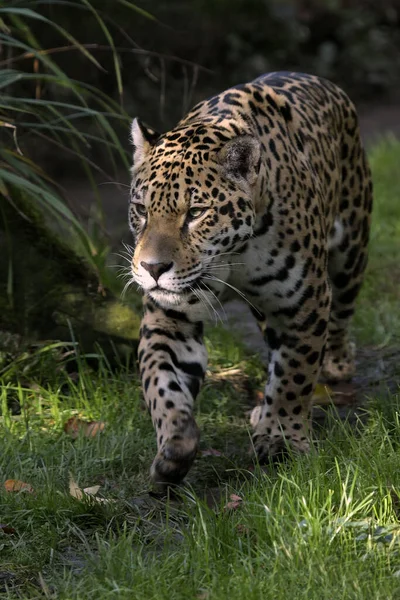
[(40, 104)]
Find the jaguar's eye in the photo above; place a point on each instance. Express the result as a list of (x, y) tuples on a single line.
[(140, 209), (196, 212)]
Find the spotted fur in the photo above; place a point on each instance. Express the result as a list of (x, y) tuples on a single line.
[(264, 188)]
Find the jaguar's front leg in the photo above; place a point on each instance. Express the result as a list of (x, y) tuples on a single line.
[(172, 360), (296, 337)]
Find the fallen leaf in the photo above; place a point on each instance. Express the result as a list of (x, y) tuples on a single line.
[(74, 489), (88, 493), (92, 491), (7, 529), (322, 394), (235, 498), (235, 502), (94, 427), (14, 485), (339, 394), (75, 427), (210, 452)]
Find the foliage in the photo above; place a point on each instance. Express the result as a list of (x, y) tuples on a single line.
[(377, 319), (43, 106)]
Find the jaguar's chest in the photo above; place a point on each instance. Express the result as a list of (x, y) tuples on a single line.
[(267, 275)]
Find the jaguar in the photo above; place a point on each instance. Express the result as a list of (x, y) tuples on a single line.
[(265, 190)]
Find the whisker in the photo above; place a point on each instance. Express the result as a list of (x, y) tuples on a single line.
[(233, 288), (217, 316), (201, 300), (126, 286), (207, 301), (129, 250), (128, 247), (117, 183), (127, 258), (122, 271), (204, 300), (218, 300), (123, 275), (119, 266)]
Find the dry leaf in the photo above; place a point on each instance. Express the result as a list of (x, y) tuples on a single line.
[(92, 491), (88, 493), (74, 489), (235, 502), (14, 485), (75, 427), (94, 427), (322, 394), (7, 529), (210, 452), (339, 394), (236, 498)]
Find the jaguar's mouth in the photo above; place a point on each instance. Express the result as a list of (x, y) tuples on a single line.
[(168, 297), (158, 288), (180, 296), (183, 291)]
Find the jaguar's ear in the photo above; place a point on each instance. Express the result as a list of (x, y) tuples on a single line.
[(241, 158), (142, 138)]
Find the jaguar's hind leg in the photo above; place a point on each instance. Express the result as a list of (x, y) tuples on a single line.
[(346, 264)]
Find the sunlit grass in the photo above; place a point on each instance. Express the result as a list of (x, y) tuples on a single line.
[(321, 526), (377, 318)]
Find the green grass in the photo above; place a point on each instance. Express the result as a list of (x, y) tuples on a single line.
[(319, 527), (377, 319)]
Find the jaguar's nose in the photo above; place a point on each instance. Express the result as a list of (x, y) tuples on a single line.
[(156, 269)]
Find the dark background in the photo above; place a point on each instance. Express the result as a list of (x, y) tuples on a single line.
[(194, 48)]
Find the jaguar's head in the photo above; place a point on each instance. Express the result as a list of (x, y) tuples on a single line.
[(192, 206)]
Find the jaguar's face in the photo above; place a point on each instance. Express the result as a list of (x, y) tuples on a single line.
[(188, 215)]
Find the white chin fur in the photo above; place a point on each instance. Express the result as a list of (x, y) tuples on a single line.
[(166, 298)]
